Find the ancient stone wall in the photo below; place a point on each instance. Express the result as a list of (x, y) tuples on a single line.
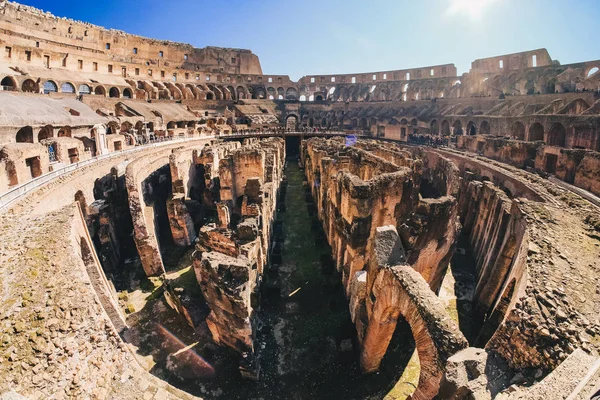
[(574, 166), (232, 252)]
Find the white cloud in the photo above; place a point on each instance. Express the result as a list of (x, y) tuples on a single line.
[(474, 9)]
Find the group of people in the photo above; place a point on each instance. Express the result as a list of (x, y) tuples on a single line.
[(429, 140)]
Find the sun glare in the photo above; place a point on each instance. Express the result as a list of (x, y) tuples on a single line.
[(474, 9)]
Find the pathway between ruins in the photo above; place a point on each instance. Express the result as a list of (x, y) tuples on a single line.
[(308, 345)]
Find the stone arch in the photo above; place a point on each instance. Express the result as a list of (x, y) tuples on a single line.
[(210, 96), (259, 93), (8, 83), (65, 131), (126, 126), (241, 92), (232, 92), (225, 92), (591, 71), (30, 86), (45, 133), (557, 135), (457, 127), (127, 93), (114, 92), (434, 127), (319, 97), (291, 122), (517, 131), (113, 128), (67, 87), (402, 291), (445, 128), (471, 128), (100, 90), (271, 92), (550, 86), (25, 135), (291, 93), (536, 132), (50, 87), (84, 89), (484, 128)]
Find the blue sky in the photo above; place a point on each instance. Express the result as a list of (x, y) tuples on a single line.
[(304, 37)]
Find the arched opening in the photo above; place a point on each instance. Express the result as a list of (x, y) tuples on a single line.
[(291, 94), (484, 128), (319, 98), (557, 135), (311, 122), (529, 87), (127, 93), (551, 86), (445, 128), (113, 128), (592, 72), (45, 133), (99, 90), (114, 93), (29, 86), (126, 127), (363, 123), (50, 87), (536, 132), (210, 96), (471, 130), (241, 92), (517, 131), (67, 88), (457, 127), (25, 135), (64, 131), (302, 98), (84, 89), (435, 127), (291, 122), (8, 83)]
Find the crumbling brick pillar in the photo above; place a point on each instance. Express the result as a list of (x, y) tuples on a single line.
[(224, 281), (180, 221)]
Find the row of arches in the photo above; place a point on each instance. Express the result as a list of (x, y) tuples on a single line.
[(27, 135), (556, 135), (393, 91), (51, 86)]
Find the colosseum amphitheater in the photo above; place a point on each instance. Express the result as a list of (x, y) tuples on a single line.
[(174, 224)]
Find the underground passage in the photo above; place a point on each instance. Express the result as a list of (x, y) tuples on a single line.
[(311, 267), (177, 224)]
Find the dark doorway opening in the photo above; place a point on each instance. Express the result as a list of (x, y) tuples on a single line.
[(551, 161)]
